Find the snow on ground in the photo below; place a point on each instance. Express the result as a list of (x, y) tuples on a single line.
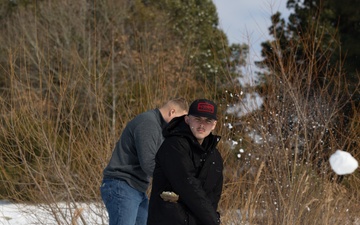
[(26, 214)]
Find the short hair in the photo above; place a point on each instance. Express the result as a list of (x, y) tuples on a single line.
[(180, 102)]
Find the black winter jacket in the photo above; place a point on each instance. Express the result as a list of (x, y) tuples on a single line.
[(191, 170)]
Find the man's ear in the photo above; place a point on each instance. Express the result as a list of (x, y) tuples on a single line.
[(214, 125), (187, 119), (171, 112)]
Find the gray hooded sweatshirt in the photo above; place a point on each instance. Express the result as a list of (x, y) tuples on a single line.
[(133, 158)]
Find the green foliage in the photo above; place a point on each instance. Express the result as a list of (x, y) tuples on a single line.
[(195, 24), (312, 43), (327, 28)]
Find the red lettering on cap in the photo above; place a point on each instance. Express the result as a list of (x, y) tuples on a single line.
[(205, 107)]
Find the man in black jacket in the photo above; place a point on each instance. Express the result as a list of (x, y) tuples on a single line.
[(188, 179)]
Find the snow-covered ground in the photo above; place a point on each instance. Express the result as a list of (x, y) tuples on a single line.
[(24, 214)]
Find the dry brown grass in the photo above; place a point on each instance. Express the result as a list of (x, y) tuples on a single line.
[(284, 176)]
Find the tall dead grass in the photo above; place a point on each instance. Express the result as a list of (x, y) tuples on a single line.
[(283, 175), (73, 75)]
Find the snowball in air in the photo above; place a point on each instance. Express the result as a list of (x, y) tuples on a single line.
[(343, 163)]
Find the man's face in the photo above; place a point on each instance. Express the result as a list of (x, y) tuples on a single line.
[(201, 127)]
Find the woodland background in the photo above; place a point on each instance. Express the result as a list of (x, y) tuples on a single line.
[(73, 73)]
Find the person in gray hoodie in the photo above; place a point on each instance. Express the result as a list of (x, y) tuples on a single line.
[(127, 176)]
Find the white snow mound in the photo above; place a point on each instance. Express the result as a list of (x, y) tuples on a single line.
[(343, 163)]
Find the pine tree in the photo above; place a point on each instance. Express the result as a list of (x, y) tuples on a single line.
[(196, 24), (331, 28)]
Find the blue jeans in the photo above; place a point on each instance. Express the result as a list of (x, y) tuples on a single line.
[(125, 205)]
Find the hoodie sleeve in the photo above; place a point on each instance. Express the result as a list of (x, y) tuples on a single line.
[(148, 138), (175, 159)]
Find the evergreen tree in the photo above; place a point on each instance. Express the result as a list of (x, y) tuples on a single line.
[(196, 24), (314, 55), (328, 28)]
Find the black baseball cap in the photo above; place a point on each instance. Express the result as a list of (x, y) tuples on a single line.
[(203, 108)]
